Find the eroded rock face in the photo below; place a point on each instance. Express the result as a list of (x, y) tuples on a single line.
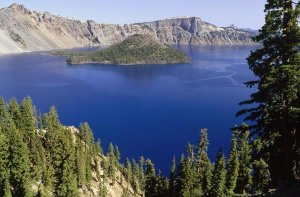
[(24, 30)]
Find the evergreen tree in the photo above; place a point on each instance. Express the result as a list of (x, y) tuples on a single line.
[(4, 166), (66, 184), (172, 191), (135, 175), (261, 176), (150, 182), (86, 136), (128, 171), (142, 174), (80, 162), (244, 180), (2, 108), (102, 191), (219, 177), (203, 164), (233, 165), (187, 184), (14, 110), (117, 154), (275, 107), (26, 121), (111, 163), (19, 163), (54, 147)]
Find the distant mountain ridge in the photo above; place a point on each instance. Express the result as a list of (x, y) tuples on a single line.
[(25, 30)]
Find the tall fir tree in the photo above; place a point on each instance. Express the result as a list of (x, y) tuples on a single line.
[(19, 162), (261, 177), (4, 166), (142, 174), (87, 138), (203, 164), (172, 191), (275, 107), (244, 180), (233, 165), (66, 184), (14, 110), (219, 177), (111, 163)]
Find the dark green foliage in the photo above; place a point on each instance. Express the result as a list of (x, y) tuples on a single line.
[(111, 163), (203, 164), (137, 49), (4, 166), (233, 165), (261, 176), (19, 164), (14, 111), (87, 140), (172, 191), (102, 191), (155, 184), (66, 184), (128, 170), (135, 175), (141, 177), (55, 159), (275, 107), (219, 177), (244, 180)]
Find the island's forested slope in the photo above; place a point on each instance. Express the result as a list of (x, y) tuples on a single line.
[(137, 49)]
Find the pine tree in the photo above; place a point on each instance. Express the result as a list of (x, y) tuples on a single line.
[(86, 135), (244, 180), (150, 182), (233, 165), (187, 176), (275, 107), (26, 121), (219, 177), (14, 110), (111, 163), (66, 184), (4, 166), (2, 108), (128, 171), (261, 176), (54, 147), (117, 154), (142, 174), (203, 164), (102, 191), (172, 191), (80, 162), (19, 163), (135, 175)]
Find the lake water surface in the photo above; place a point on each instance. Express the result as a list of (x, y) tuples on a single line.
[(150, 110)]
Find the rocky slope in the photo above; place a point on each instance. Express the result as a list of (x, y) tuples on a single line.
[(24, 30), (113, 190)]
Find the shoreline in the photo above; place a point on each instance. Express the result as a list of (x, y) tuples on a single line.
[(83, 47)]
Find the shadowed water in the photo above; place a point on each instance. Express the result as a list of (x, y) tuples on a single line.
[(150, 110)]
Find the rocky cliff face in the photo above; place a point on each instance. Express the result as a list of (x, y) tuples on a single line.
[(24, 30)]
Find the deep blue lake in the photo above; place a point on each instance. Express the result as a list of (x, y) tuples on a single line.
[(149, 110)]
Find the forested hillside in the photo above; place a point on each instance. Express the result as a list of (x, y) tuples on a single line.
[(137, 49), (41, 157)]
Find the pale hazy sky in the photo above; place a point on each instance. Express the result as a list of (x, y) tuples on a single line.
[(242, 13)]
